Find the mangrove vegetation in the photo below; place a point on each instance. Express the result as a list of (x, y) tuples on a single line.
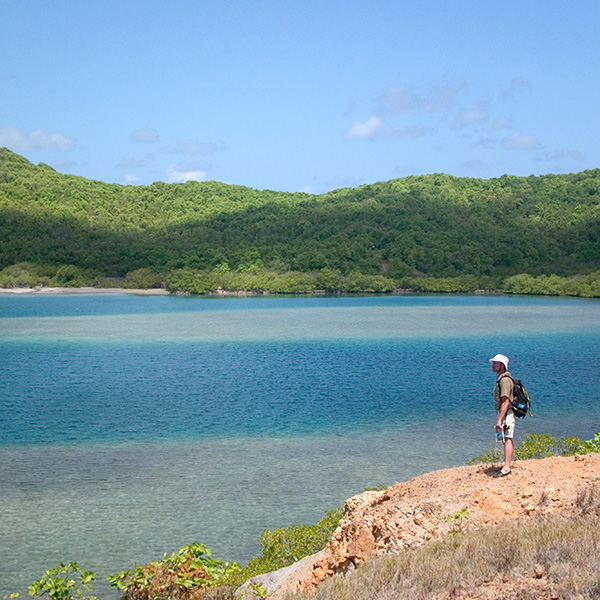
[(430, 233)]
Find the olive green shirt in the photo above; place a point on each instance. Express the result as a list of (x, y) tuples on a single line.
[(504, 387)]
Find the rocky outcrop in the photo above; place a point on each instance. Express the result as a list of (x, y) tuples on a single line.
[(410, 513)]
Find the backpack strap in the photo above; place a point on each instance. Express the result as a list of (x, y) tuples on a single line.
[(498, 384), (502, 376)]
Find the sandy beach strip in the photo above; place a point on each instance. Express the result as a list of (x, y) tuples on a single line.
[(83, 290)]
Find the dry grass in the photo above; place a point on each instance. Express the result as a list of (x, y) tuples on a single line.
[(554, 558)]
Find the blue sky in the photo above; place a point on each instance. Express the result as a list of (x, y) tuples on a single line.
[(300, 95)]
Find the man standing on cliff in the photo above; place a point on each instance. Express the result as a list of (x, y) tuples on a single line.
[(505, 421)]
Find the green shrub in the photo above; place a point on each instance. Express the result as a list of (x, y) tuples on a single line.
[(552, 285), (24, 275), (540, 445), (143, 279), (285, 546), (174, 577), (592, 445), (31, 275), (58, 583)]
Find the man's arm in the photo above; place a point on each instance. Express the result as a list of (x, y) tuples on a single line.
[(503, 410)]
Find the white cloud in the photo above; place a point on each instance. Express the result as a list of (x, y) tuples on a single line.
[(39, 139), (367, 130), (521, 141), (131, 179), (180, 173), (375, 128), (147, 135)]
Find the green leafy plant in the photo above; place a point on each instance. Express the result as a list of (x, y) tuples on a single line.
[(541, 445), (285, 546), (592, 445), (536, 445), (256, 589), (457, 521), (58, 583), (175, 576)]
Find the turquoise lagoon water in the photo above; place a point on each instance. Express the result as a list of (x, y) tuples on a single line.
[(132, 425)]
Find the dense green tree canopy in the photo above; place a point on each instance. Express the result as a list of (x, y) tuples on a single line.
[(429, 225)]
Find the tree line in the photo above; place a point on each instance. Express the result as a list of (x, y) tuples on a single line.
[(418, 232)]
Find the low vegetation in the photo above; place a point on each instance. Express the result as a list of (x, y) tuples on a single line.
[(192, 573), (181, 576), (547, 558), (540, 445), (253, 279), (550, 557), (63, 582)]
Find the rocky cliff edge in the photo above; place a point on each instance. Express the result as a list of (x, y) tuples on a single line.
[(410, 513)]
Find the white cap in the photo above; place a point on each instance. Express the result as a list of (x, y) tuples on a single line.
[(501, 359)]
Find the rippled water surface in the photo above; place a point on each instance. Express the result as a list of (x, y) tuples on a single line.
[(130, 426)]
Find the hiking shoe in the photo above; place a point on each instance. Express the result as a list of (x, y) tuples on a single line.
[(501, 473)]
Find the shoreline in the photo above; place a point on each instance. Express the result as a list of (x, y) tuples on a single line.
[(66, 291), (88, 290)]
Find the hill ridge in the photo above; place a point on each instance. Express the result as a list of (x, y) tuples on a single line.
[(433, 225)]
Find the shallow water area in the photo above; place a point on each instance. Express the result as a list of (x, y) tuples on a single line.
[(133, 425)]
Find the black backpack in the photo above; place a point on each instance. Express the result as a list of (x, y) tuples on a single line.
[(521, 403)]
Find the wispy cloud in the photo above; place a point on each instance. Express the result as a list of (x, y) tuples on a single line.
[(474, 164), (475, 115), (131, 163), (375, 128), (521, 141), (39, 139), (147, 135), (517, 85), (402, 100), (514, 141), (501, 122), (403, 113), (566, 153)]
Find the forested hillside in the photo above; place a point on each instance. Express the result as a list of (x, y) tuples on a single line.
[(429, 226)]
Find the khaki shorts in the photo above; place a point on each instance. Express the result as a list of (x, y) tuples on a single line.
[(509, 424)]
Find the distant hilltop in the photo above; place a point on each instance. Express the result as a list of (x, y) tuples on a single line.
[(201, 237)]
